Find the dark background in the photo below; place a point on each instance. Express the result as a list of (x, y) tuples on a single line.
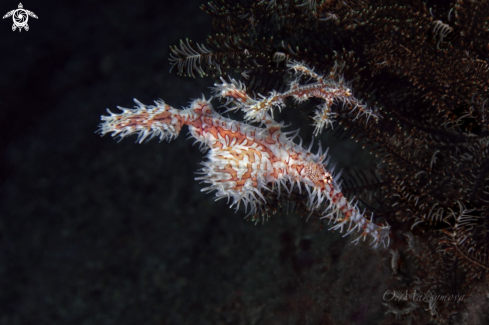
[(98, 232)]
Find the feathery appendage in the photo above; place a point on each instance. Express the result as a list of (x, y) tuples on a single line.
[(189, 56), (244, 161)]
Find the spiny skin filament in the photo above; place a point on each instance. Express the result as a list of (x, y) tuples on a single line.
[(244, 161), (327, 88)]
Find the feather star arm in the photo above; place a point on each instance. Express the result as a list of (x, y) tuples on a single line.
[(244, 161)]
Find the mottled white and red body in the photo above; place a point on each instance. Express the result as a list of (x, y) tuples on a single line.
[(245, 160)]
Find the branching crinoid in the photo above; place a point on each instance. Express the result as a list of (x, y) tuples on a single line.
[(426, 69)]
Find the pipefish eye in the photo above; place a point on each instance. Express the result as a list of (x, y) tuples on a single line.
[(328, 178)]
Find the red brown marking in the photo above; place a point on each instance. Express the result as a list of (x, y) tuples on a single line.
[(269, 138), (143, 119), (235, 93), (202, 108)]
